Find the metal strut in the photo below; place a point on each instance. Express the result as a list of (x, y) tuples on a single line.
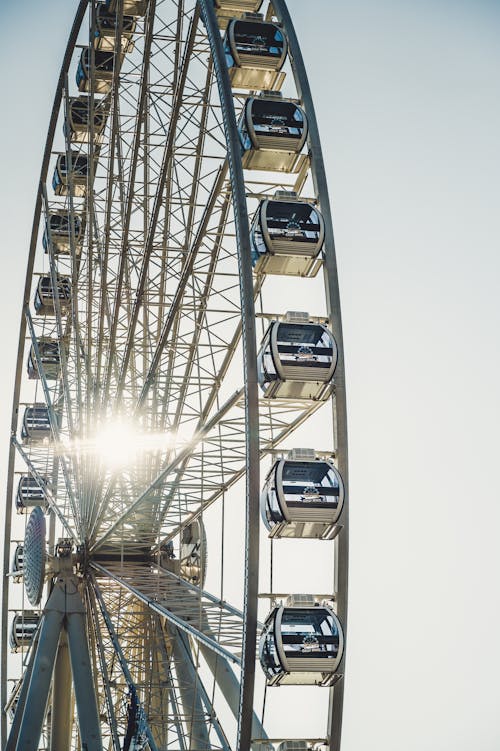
[(63, 616)]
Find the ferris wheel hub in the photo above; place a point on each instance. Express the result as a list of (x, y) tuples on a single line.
[(34, 555)]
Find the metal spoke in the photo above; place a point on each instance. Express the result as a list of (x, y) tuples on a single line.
[(186, 609)]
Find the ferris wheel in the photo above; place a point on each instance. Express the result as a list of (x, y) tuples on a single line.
[(176, 534)]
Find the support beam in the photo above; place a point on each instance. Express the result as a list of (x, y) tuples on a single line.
[(206, 699), (188, 683), (39, 686), (60, 730), (21, 701), (81, 666), (230, 687)]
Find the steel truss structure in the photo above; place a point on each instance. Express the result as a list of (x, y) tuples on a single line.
[(144, 642)]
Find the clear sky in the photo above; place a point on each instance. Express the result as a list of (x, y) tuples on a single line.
[(408, 102)]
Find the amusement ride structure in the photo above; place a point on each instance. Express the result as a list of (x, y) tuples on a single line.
[(179, 422)]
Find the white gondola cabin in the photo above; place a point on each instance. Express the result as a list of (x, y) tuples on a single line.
[(255, 53), (23, 629), (98, 78), (50, 359), (297, 359), (273, 132), (302, 499), (36, 424), (30, 493), (105, 32), (77, 123), (301, 645), (60, 231), (75, 178), (17, 563), (45, 299), (287, 236), (130, 7)]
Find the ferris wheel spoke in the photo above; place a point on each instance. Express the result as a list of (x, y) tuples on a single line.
[(229, 686), (200, 615), (200, 473), (103, 668), (230, 350), (229, 476), (201, 316), (276, 426), (190, 692), (115, 532), (183, 281), (52, 502), (164, 666), (126, 202), (173, 678), (158, 199), (139, 719)]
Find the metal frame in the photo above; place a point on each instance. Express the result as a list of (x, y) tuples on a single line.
[(333, 302), (160, 314)]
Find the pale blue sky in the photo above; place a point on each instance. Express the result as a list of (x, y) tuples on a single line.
[(408, 102)]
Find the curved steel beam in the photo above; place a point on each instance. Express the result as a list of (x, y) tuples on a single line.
[(82, 7), (333, 303), (250, 368)]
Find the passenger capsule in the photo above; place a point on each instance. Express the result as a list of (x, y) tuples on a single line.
[(272, 132), (77, 122), (45, 299), (301, 646), (36, 424), (302, 499), (287, 236), (105, 32), (23, 629), (255, 53), (17, 563), (59, 231), (50, 358), (102, 79), (130, 7), (297, 360), (193, 552), (30, 493), (78, 176)]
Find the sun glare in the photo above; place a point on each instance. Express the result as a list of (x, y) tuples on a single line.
[(121, 443)]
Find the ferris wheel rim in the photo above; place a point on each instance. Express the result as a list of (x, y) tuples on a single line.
[(333, 306), (79, 15)]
